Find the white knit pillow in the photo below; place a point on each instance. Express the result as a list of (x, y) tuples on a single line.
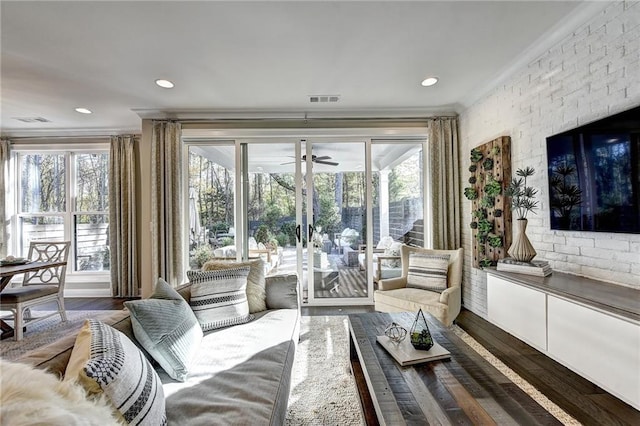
[(104, 360), (256, 293), (219, 298)]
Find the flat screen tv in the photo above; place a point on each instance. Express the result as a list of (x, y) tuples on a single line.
[(594, 175)]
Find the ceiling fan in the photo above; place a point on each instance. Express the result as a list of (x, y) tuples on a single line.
[(315, 159)]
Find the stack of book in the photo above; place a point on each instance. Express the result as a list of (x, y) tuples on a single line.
[(539, 268)]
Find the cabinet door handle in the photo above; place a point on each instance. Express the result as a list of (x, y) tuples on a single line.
[(298, 232)]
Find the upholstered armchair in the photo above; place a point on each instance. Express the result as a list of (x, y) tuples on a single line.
[(395, 295)]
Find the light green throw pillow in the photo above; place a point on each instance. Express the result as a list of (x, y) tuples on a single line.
[(167, 328)]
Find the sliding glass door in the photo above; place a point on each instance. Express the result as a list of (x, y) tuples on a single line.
[(333, 211), (336, 174)]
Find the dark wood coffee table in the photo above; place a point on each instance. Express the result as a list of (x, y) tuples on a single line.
[(463, 390)]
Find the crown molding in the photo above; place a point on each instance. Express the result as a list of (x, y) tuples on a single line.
[(582, 13)]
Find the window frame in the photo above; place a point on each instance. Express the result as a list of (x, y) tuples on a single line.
[(71, 151)]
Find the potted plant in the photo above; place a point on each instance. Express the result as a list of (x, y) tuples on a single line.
[(522, 202)]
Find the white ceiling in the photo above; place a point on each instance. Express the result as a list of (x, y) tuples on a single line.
[(261, 57)]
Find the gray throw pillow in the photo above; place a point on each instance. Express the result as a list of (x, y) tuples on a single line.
[(219, 298), (428, 271), (282, 291), (167, 328)]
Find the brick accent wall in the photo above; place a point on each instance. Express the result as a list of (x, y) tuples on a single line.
[(592, 73)]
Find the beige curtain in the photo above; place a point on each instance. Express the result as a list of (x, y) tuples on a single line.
[(166, 199), (445, 184), (122, 217), (4, 181)]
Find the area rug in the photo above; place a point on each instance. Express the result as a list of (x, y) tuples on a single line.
[(46, 331), (323, 391)]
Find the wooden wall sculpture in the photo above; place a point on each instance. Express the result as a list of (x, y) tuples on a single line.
[(490, 173)]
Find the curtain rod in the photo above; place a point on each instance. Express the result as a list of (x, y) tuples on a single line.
[(305, 119), (34, 138)]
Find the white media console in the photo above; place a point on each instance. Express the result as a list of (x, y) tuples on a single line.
[(589, 326)]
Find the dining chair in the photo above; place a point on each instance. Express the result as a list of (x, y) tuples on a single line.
[(38, 287)]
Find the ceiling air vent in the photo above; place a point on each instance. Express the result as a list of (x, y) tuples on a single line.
[(323, 98), (32, 119)]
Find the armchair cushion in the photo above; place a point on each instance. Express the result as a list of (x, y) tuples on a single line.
[(428, 271)]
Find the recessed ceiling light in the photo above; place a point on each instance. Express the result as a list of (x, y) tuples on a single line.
[(83, 110), (164, 83), (429, 81)]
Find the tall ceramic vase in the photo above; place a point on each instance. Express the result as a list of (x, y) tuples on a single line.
[(521, 248)]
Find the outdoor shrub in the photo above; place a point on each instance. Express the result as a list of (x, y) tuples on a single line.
[(263, 235), (227, 241), (289, 229), (202, 254), (472, 180), (474, 225), (473, 168), (283, 239)]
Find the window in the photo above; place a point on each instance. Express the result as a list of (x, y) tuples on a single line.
[(64, 195)]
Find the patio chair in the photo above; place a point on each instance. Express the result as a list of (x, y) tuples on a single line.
[(38, 287), (397, 295), (386, 259)]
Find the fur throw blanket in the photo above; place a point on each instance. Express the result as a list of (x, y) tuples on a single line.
[(30, 396)]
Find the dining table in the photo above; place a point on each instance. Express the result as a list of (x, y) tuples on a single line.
[(8, 271)]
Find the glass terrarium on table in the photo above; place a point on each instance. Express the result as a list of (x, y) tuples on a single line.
[(420, 336)]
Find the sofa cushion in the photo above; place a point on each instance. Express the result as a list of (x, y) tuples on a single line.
[(219, 298), (394, 249), (255, 280), (428, 271), (167, 328), (241, 375), (410, 300), (385, 243), (105, 361)]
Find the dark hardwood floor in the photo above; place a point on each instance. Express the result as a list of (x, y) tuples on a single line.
[(586, 402), (86, 304)]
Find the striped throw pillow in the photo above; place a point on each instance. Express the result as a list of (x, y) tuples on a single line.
[(104, 360), (428, 271), (167, 328), (219, 298)]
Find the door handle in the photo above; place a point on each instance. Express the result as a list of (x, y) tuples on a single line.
[(298, 232), (310, 232)]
